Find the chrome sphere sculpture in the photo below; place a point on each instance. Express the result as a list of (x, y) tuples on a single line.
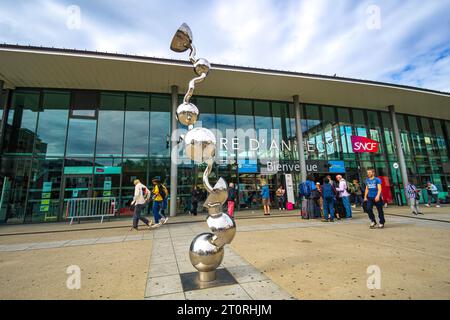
[(206, 250)]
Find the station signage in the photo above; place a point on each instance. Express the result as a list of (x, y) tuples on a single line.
[(363, 145), (312, 166)]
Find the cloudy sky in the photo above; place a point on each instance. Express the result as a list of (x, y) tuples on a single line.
[(399, 41)]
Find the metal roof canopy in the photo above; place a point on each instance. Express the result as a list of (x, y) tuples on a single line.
[(74, 69)]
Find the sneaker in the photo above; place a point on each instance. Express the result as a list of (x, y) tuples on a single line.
[(331, 220), (415, 213), (427, 205), (156, 225), (165, 220), (373, 224), (420, 212), (381, 226), (279, 209), (438, 206), (324, 220)]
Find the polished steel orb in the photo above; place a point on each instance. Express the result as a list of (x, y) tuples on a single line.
[(201, 66), (200, 144), (187, 114), (204, 255), (224, 227)]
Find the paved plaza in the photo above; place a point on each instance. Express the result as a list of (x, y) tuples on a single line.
[(276, 257)]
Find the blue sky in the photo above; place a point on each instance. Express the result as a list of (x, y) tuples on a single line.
[(399, 41)]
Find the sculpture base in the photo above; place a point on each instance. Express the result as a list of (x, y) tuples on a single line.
[(191, 281)]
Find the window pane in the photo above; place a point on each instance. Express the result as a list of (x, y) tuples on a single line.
[(81, 138), (20, 132), (160, 125), (137, 125), (52, 126), (110, 125)]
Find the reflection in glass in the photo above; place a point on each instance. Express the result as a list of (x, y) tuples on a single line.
[(110, 125), (52, 125)]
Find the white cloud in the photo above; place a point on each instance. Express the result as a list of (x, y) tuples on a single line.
[(314, 36)]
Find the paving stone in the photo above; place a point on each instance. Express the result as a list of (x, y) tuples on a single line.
[(110, 239), (48, 245), (170, 296), (134, 237), (16, 247), (81, 242), (265, 290), (186, 266), (248, 273), (168, 258), (162, 269), (233, 292), (163, 285), (233, 261)]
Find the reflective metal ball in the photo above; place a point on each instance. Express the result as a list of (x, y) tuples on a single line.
[(187, 114), (224, 227), (200, 144), (201, 66), (204, 255)]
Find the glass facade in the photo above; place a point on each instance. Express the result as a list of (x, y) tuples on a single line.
[(61, 144)]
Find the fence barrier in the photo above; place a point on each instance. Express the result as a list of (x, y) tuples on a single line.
[(78, 208)]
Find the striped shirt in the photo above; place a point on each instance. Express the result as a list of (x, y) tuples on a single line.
[(411, 191)]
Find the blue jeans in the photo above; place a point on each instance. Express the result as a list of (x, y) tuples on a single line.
[(347, 206), (155, 209), (163, 209), (137, 215), (328, 208)]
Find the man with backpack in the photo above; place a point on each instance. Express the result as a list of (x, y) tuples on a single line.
[(305, 193), (158, 196), (328, 197), (164, 204), (140, 200)]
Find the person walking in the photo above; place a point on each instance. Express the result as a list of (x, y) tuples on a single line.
[(433, 194), (265, 196), (158, 196), (372, 197), (328, 197), (195, 198), (280, 193), (164, 205), (139, 202), (413, 194), (344, 195), (231, 200)]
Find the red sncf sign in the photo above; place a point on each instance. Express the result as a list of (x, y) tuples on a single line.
[(363, 144)]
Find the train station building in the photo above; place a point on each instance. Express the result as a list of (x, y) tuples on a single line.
[(79, 124)]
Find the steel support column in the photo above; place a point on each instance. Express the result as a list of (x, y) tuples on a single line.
[(398, 146), (300, 145), (174, 154)]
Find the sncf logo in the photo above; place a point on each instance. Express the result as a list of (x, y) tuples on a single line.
[(363, 144)]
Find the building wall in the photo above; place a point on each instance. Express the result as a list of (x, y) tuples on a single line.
[(51, 133)]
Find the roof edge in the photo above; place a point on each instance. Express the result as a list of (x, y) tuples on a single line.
[(218, 65)]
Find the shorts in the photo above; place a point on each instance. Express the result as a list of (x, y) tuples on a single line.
[(265, 202)]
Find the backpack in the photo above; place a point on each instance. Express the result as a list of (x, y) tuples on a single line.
[(305, 189), (327, 191), (162, 191)]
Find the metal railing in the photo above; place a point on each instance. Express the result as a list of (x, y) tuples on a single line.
[(77, 208)]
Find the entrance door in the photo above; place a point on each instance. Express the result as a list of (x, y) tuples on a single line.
[(76, 186)]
